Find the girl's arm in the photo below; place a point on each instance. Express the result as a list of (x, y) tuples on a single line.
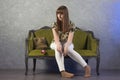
[(69, 41), (55, 35), (70, 37), (56, 39), (71, 33)]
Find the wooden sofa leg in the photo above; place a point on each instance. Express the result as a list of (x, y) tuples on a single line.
[(97, 66), (26, 65), (34, 65)]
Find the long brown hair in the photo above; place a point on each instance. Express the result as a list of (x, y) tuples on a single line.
[(63, 25)]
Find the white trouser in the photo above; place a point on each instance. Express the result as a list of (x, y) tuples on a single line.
[(71, 53)]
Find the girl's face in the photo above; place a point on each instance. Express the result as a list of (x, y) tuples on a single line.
[(60, 16)]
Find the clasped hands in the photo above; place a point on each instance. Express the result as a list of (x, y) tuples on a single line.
[(63, 49)]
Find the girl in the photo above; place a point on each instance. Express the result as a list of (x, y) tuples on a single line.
[(63, 32)]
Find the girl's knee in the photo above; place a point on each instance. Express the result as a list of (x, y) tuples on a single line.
[(53, 45), (70, 47)]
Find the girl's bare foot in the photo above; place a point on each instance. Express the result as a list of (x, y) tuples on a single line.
[(66, 74), (87, 71)]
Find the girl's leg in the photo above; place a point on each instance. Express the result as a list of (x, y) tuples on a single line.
[(77, 57), (60, 62), (59, 57)]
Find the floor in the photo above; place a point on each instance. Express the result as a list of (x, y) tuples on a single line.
[(46, 75)]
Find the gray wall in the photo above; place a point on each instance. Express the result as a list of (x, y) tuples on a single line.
[(17, 17)]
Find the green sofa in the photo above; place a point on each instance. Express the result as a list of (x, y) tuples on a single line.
[(84, 43)]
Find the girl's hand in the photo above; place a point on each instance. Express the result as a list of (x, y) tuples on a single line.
[(66, 45), (59, 47)]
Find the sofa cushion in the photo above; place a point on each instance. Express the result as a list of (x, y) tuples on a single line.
[(40, 43), (87, 53), (36, 53), (84, 53), (47, 33), (80, 40)]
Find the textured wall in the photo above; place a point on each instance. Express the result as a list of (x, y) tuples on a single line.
[(17, 17)]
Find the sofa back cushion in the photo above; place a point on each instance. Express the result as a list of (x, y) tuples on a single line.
[(47, 33), (80, 40), (40, 43)]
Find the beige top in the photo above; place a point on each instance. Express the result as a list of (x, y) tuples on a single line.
[(64, 36)]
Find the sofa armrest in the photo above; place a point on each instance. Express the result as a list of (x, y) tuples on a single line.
[(94, 45), (29, 41), (30, 45)]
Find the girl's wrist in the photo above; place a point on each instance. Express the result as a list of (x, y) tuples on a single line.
[(69, 43), (58, 43)]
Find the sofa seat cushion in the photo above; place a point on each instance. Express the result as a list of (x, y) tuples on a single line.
[(87, 53), (34, 53), (50, 52)]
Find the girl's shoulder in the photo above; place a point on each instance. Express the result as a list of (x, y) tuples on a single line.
[(72, 26), (71, 22), (54, 25)]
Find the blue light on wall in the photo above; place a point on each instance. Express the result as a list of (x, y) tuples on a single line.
[(115, 22)]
